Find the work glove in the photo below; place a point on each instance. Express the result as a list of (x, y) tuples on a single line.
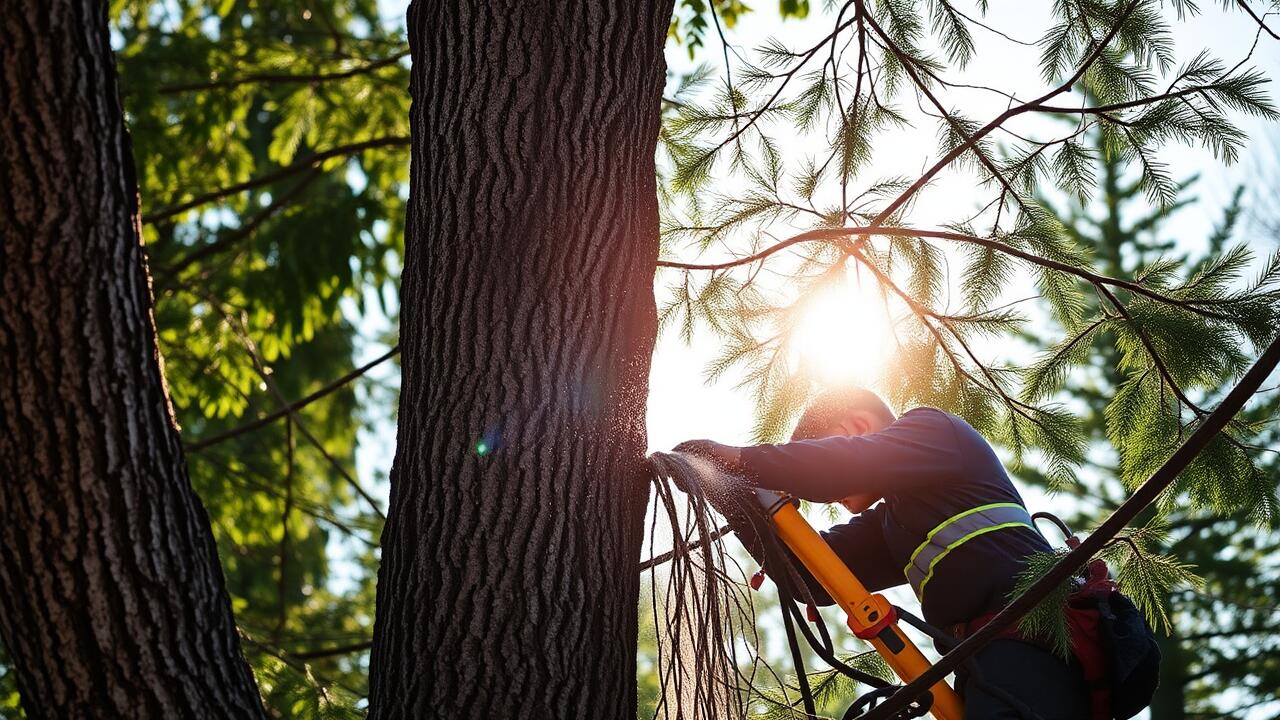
[(726, 456)]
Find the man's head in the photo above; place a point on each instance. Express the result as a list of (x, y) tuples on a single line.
[(846, 411)]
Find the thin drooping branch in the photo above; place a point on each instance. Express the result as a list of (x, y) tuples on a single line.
[(169, 276), (282, 587), (310, 508), (1148, 493), (909, 67), (240, 328), (1002, 118), (666, 556), (786, 78), (834, 234), (289, 408), (284, 78), (287, 171)]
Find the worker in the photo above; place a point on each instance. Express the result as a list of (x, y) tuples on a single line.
[(933, 507)]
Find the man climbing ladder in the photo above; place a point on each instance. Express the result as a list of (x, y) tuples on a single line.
[(951, 525)]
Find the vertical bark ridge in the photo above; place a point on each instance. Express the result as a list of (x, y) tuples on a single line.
[(114, 603), (507, 585)]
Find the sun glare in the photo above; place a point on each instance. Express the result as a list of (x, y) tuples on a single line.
[(844, 335)]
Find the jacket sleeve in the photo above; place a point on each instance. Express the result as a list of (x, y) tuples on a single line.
[(917, 452), (861, 545)]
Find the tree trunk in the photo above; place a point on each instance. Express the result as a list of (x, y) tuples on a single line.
[(113, 602), (1170, 700), (508, 585)]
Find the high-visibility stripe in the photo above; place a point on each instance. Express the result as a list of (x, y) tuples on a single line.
[(956, 531)]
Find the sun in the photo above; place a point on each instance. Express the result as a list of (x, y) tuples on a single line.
[(844, 335)]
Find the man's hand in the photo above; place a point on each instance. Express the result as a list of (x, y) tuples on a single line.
[(859, 503), (726, 456)]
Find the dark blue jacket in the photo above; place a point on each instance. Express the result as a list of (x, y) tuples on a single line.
[(928, 466)]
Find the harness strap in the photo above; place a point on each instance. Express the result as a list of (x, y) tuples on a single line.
[(956, 531)]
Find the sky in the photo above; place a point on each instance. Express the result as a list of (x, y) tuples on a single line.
[(683, 405)]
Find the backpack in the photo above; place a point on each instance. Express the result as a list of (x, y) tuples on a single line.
[(1114, 645), (1134, 667)]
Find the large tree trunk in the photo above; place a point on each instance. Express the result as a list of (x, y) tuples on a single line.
[(508, 585), (113, 602)]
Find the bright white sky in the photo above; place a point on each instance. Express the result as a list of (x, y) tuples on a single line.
[(682, 405)]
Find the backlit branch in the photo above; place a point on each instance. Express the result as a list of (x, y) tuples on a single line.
[(285, 78), (288, 171)]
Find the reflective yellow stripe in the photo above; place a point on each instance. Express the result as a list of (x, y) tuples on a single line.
[(958, 543), (929, 538)]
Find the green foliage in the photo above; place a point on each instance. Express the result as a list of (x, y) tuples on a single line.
[(262, 261), (10, 702), (1198, 566), (831, 689), (1047, 621)]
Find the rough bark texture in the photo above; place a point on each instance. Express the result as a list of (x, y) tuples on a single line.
[(113, 602), (508, 585)]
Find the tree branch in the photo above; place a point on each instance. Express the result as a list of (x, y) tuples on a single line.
[(1001, 119), (831, 234), (284, 411), (1261, 25), (284, 172), (279, 78), (168, 276)]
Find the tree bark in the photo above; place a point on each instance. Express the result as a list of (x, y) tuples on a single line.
[(508, 585), (113, 602)]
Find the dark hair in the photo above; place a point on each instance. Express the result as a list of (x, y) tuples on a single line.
[(832, 406)]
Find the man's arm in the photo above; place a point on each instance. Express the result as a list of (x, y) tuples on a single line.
[(860, 544), (916, 452)]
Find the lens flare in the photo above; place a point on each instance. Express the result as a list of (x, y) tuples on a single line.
[(844, 334)]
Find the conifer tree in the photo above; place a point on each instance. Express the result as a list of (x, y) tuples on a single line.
[(1207, 576)]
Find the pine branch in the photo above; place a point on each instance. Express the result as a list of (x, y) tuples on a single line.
[(833, 234), (1003, 117)]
